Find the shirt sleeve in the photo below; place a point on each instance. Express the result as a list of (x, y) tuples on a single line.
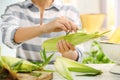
[(79, 50), (74, 15), (10, 23)]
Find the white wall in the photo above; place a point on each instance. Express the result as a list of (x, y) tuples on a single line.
[(117, 13), (87, 6)]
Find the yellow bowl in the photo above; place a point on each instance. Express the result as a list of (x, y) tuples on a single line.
[(92, 22)]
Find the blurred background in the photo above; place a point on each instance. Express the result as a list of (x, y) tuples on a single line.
[(109, 8)]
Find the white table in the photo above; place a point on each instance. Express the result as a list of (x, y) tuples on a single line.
[(106, 75)]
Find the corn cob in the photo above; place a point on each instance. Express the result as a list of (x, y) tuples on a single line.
[(26, 65), (63, 66), (75, 39)]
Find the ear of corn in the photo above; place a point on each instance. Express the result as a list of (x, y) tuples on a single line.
[(5, 67), (75, 39), (74, 67), (26, 65), (9, 66), (62, 69)]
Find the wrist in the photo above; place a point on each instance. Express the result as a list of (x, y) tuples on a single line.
[(71, 55), (43, 29)]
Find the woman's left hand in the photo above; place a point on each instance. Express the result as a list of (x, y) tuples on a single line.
[(67, 49)]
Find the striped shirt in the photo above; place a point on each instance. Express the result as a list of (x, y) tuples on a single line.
[(27, 14)]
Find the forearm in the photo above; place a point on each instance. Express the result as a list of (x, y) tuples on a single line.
[(25, 33)]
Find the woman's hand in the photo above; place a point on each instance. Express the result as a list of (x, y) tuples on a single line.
[(67, 50), (59, 24)]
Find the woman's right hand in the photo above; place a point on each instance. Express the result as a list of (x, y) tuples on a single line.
[(59, 24)]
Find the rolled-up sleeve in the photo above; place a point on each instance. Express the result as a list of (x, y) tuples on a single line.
[(74, 15), (80, 50), (10, 23)]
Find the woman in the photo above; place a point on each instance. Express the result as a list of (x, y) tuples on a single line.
[(22, 30)]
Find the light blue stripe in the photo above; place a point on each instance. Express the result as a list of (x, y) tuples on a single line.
[(30, 47), (3, 34), (51, 62), (9, 19), (22, 16)]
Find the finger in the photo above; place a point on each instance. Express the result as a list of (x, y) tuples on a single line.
[(63, 27), (65, 46), (60, 26), (66, 24), (61, 46), (71, 24), (58, 47), (74, 27), (71, 47)]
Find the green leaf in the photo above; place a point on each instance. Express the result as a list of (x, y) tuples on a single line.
[(86, 70), (44, 57), (48, 59), (48, 70), (17, 65), (89, 74), (41, 54)]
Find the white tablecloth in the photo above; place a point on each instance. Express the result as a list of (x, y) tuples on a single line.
[(106, 75)]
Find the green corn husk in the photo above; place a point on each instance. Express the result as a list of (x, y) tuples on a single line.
[(25, 66), (73, 66), (62, 69), (10, 66), (5, 68), (75, 39)]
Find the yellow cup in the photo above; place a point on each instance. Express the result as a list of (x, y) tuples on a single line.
[(92, 22)]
